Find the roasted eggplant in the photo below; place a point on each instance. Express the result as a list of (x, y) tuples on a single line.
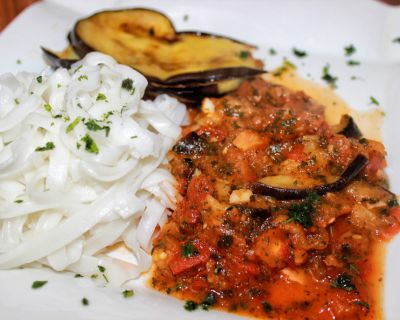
[(348, 127), (189, 65), (355, 167)]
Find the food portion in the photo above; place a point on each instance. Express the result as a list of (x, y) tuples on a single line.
[(83, 175), (189, 65), (307, 250)]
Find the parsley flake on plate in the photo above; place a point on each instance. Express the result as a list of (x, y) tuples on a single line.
[(49, 146), (128, 293), (350, 50), (90, 144), (328, 77), (299, 53), (38, 284)]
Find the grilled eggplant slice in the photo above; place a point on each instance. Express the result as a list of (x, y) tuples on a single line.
[(147, 41)]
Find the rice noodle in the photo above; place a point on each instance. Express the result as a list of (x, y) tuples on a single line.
[(82, 168)]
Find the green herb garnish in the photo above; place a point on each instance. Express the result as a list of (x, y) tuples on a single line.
[(225, 241), (19, 61), (301, 212), (72, 125), (90, 145), (344, 282), (16, 101), (127, 84), (94, 126), (373, 101), (101, 268), (190, 305), (189, 250), (208, 301), (393, 203), (328, 78), (349, 50), (186, 17), (101, 97), (83, 77), (19, 201), (353, 63), (85, 301), (396, 40), (38, 284), (286, 66), (78, 275), (243, 54), (49, 146), (128, 293), (272, 51), (299, 53), (266, 307), (47, 107), (39, 79), (362, 304)]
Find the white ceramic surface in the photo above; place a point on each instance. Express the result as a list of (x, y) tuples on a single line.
[(321, 27)]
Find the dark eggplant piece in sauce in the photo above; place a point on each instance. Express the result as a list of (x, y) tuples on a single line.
[(348, 127), (355, 167)]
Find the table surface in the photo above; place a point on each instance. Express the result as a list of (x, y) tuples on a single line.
[(9, 9)]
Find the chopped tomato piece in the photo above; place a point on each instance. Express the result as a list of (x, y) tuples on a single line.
[(296, 153), (179, 263)]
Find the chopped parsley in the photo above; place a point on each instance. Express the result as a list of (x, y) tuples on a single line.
[(208, 301), (349, 50), (101, 268), (393, 203), (329, 78), (47, 107), (299, 53), (344, 282), (225, 241), (90, 145), (72, 125), (134, 137), (373, 101), (353, 63), (266, 307), (85, 301), (83, 77), (362, 304), (101, 97), (19, 201), (128, 293), (396, 40), (39, 79), (16, 101), (190, 305), (301, 212), (272, 52), (49, 146), (19, 61), (243, 54), (127, 84), (92, 125), (77, 69), (78, 275), (38, 284), (186, 17), (78, 145), (189, 250), (286, 66)]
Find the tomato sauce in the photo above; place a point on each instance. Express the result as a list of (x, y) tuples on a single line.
[(226, 247)]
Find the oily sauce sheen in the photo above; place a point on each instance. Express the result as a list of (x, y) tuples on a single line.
[(227, 248)]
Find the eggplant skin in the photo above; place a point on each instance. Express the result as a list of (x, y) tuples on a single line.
[(55, 61), (349, 128), (355, 167), (147, 41)]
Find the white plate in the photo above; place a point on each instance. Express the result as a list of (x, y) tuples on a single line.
[(322, 28)]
